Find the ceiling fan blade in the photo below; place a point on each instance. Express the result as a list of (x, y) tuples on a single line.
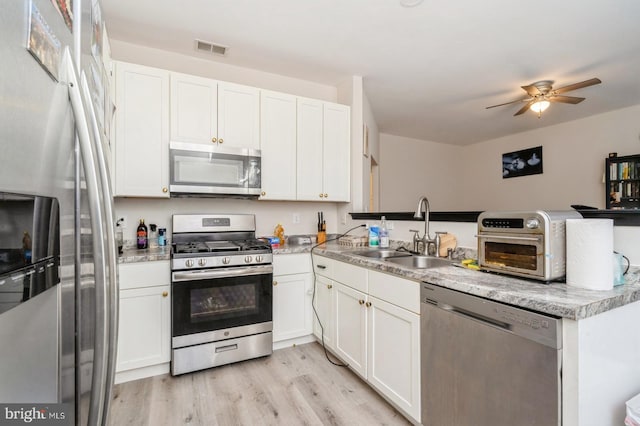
[(524, 108), (576, 86), (509, 103), (565, 99)]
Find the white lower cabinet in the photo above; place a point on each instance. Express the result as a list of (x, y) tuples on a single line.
[(351, 327), (144, 332), (324, 323), (371, 321), (292, 293), (292, 313), (393, 348)]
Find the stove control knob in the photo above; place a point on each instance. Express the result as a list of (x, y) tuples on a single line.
[(226, 260), (188, 263), (259, 258), (248, 259), (202, 262)]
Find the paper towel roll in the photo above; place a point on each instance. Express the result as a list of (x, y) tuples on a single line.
[(590, 253)]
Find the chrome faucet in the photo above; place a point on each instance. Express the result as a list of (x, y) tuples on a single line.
[(426, 239)]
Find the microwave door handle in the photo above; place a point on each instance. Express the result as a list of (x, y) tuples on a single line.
[(221, 273), (508, 237), (98, 389), (111, 283)]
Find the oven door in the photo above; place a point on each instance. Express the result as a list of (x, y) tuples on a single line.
[(213, 170), (207, 304), (521, 255)]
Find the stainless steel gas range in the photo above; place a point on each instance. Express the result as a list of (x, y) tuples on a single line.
[(221, 288)]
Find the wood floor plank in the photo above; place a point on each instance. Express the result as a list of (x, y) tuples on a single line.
[(294, 386)]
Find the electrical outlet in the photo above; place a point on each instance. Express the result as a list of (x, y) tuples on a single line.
[(389, 226), (122, 220), (296, 218), (343, 221)]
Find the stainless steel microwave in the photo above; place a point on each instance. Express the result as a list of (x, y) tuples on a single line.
[(205, 170)]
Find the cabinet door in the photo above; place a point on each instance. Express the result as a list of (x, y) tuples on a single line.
[(351, 327), (238, 116), (292, 315), (394, 354), (194, 109), (323, 305), (309, 150), (336, 152), (278, 145), (142, 131), (144, 333)]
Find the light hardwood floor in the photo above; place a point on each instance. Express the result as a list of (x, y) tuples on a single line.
[(294, 386)]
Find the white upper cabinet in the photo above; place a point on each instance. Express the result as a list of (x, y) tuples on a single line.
[(194, 109), (142, 131), (336, 156), (278, 145), (324, 147), (238, 115), (207, 111)]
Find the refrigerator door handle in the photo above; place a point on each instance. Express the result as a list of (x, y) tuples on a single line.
[(96, 209), (111, 307)]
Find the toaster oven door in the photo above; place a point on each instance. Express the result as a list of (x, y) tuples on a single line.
[(521, 255)]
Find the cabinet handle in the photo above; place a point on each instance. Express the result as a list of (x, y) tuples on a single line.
[(164, 189), (220, 140), (326, 195), (263, 193), (214, 140), (321, 195), (368, 304), (329, 286), (275, 283), (165, 294), (361, 302)]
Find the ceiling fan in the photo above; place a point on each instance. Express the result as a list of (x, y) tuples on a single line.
[(541, 94)]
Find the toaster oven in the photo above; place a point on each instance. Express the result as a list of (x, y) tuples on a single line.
[(530, 244)]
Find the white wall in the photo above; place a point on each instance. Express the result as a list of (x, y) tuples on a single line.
[(268, 213), (573, 164), (410, 168), (128, 52), (470, 178)]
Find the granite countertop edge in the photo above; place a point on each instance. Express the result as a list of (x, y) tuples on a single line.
[(557, 299)]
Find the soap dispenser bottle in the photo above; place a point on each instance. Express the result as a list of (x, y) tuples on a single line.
[(384, 233)]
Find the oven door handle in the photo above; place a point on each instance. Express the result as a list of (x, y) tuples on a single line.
[(509, 237), (222, 273)]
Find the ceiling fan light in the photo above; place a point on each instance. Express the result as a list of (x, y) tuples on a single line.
[(539, 106)]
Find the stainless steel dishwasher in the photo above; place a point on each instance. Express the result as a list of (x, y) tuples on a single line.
[(486, 363)]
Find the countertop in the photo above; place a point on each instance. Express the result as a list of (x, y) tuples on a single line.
[(557, 299)]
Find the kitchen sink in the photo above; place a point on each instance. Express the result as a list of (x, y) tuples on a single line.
[(420, 262), (381, 253)]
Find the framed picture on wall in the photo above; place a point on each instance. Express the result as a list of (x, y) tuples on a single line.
[(522, 163)]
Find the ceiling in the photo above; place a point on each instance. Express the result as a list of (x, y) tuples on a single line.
[(429, 71)]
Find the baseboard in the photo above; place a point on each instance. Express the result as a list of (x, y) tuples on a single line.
[(141, 373), (292, 342)]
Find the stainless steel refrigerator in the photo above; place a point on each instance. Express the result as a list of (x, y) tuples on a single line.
[(58, 272)]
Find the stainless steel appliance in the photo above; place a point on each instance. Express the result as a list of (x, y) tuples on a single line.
[(485, 363), (529, 244), (58, 335), (213, 170), (222, 292)]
